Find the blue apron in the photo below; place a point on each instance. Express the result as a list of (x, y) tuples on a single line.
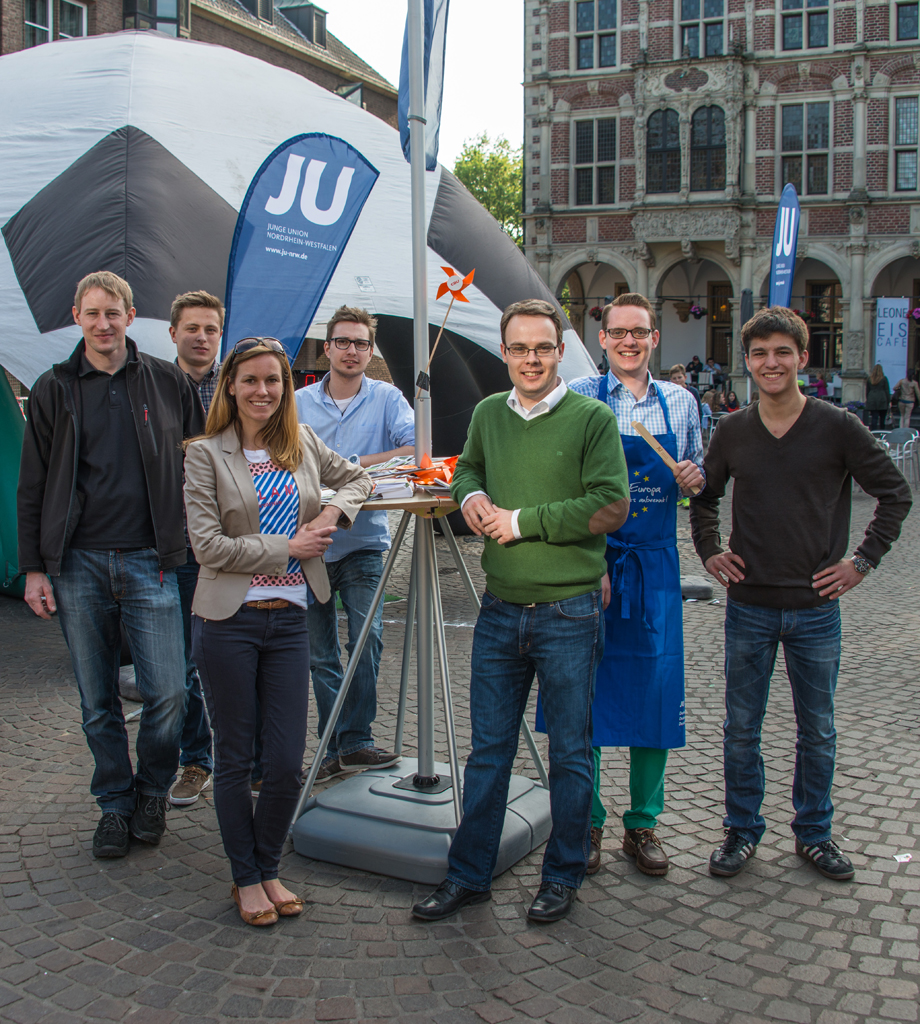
[(639, 690)]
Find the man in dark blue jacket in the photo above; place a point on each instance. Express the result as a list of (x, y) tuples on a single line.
[(100, 513)]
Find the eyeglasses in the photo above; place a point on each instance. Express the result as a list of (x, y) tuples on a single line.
[(619, 333), (245, 344), (544, 350), (343, 344)]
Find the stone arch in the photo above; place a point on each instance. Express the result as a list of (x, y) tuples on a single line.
[(573, 259), (890, 254), (664, 265)]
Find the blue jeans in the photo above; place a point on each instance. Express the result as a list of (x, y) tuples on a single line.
[(195, 746), (255, 660), (811, 645), (96, 592), (561, 642), (355, 578)]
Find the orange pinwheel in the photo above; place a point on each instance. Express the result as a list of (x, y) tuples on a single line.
[(455, 284)]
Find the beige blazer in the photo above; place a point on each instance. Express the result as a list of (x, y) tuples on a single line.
[(222, 512)]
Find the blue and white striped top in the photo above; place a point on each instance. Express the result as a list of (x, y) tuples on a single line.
[(279, 505)]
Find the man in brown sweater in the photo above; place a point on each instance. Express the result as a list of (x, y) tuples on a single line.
[(792, 459)]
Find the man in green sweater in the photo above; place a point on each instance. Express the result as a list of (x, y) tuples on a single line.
[(542, 476), (793, 460)]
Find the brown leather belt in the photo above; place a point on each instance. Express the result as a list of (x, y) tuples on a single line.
[(268, 606)]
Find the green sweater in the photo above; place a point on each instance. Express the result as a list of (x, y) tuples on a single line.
[(566, 472)]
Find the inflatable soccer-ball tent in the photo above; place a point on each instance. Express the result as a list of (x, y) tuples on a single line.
[(133, 152)]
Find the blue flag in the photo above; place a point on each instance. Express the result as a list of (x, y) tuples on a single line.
[(785, 237), (435, 44), (294, 224)]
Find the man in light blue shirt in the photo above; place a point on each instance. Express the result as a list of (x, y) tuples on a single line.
[(366, 421)]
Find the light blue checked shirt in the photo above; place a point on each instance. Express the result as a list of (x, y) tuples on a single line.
[(682, 411), (377, 420)]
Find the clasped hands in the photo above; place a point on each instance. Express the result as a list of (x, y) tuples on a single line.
[(482, 517), (312, 539)]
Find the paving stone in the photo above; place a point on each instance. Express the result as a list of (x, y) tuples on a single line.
[(154, 939)]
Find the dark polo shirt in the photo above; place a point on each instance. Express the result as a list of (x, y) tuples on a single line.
[(111, 483)]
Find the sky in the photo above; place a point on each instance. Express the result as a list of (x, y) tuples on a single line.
[(483, 64)]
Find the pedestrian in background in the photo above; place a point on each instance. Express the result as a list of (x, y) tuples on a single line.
[(908, 395), (252, 493), (878, 395)]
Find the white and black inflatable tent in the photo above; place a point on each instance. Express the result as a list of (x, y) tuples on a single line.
[(132, 152)]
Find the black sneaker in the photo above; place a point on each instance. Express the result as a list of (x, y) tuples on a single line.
[(731, 856), (828, 858), (329, 769), (111, 838), (369, 757), (148, 822)]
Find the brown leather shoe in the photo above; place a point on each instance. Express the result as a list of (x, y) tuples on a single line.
[(259, 918), (594, 856), (645, 846)]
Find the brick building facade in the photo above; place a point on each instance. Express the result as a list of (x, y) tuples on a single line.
[(659, 134)]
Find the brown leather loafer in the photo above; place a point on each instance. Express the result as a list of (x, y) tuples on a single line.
[(645, 846), (594, 856), (258, 918)]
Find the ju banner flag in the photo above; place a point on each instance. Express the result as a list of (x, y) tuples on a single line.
[(785, 237), (435, 45), (294, 224), (891, 336)]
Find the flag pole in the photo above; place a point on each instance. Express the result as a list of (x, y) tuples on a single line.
[(424, 533)]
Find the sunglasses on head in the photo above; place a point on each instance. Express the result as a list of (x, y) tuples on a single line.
[(245, 344)]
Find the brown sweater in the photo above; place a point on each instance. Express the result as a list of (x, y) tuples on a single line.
[(791, 500)]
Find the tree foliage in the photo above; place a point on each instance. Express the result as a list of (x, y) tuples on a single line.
[(494, 172)]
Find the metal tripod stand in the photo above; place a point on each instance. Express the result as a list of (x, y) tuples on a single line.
[(399, 821)]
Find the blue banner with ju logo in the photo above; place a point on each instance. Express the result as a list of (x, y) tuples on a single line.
[(295, 222), (785, 238)]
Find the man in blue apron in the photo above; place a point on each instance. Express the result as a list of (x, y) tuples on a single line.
[(639, 694)]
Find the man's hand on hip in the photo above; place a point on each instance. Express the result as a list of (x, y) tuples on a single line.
[(475, 510), (40, 595), (498, 525), (836, 580), (726, 568)]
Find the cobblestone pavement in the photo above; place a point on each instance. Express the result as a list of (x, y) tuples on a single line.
[(154, 939)]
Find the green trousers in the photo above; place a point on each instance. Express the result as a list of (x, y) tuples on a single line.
[(646, 788)]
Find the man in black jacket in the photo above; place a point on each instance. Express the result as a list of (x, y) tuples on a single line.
[(100, 513)]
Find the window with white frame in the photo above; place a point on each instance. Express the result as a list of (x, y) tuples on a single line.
[(594, 150), (72, 24), (806, 24), (595, 34), (37, 27), (805, 143), (906, 120), (907, 17), (702, 28)]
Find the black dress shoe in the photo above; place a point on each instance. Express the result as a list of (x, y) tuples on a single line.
[(447, 899), (552, 902)]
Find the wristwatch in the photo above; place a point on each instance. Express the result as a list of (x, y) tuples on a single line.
[(863, 565), (355, 459)]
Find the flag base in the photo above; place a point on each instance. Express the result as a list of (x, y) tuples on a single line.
[(366, 822)]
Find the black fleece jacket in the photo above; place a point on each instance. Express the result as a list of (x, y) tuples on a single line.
[(165, 409)]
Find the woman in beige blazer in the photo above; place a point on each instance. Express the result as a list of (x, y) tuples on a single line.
[(252, 498)]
